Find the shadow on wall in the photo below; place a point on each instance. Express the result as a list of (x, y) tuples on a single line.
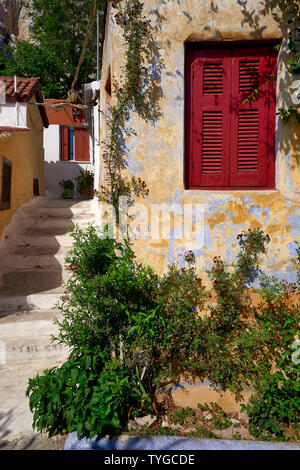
[(58, 171), (287, 82)]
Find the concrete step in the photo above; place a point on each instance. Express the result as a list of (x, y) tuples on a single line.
[(20, 350), (44, 212), (45, 222), (44, 240), (27, 282), (42, 301), (28, 250), (27, 336), (20, 262), (62, 203)]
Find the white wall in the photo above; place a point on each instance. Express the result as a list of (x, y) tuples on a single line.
[(56, 170), (13, 114), (93, 119)]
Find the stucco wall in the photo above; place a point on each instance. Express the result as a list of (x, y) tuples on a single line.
[(12, 115), (25, 151), (156, 154)]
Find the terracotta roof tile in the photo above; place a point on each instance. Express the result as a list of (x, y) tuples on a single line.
[(26, 89)]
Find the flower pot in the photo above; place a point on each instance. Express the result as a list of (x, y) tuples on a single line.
[(86, 193), (68, 194)]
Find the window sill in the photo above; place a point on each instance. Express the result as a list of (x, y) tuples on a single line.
[(229, 191), (76, 161)]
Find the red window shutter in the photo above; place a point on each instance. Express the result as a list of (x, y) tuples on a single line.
[(252, 123), (64, 143), (229, 143), (209, 127), (82, 145)]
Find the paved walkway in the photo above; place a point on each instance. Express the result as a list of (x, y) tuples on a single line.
[(125, 442)]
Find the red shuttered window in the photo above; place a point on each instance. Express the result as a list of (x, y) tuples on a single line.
[(230, 141), (74, 144)]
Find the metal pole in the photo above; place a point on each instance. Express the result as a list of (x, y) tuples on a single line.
[(98, 55), (99, 13)]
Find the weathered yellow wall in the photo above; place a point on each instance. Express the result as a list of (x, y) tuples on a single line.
[(25, 151), (156, 154)]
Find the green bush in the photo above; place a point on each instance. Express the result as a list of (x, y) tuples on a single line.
[(83, 395), (139, 332), (276, 405)]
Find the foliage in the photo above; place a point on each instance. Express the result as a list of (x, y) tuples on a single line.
[(27, 59), (164, 329), (286, 114), (138, 91), (84, 394), (275, 405), (67, 184), (57, 33), (85, 180)]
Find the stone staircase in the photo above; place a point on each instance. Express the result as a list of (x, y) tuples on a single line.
[(32, 253)]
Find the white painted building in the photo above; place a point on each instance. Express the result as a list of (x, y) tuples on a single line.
[(71, 141)]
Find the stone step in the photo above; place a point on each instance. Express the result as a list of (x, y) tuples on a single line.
[(21, 262), (27, 282), (44, 301), (36, 211), (20, 350), (29, 324), (62, 203), (26, 336), (28, 250), (44, 240), (51, 222)]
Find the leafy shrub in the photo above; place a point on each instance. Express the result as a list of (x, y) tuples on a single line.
[(276, 405), (83, 395), (141, 332)]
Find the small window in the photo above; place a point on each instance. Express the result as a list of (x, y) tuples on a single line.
[(71, 144), (36, 189), (74, 144), (229, 137), (6, 184), (108, 83)]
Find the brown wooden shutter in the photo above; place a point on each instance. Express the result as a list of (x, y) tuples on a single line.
[(211, 78), (82, 145), (64, 143), (252, 123), (6, 181)]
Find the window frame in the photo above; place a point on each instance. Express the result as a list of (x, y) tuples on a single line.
[(189, 50), (6, 205), (61, 143)]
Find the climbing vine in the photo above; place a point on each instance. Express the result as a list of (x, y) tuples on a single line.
[(134, 92), (289, 23)]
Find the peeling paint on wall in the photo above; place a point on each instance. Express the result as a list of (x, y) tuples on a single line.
[(156, 154)]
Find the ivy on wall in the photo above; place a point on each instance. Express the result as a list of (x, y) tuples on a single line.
[(136, 91)]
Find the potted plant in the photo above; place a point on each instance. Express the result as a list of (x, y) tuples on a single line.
[(85, 183), (68, 187)]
